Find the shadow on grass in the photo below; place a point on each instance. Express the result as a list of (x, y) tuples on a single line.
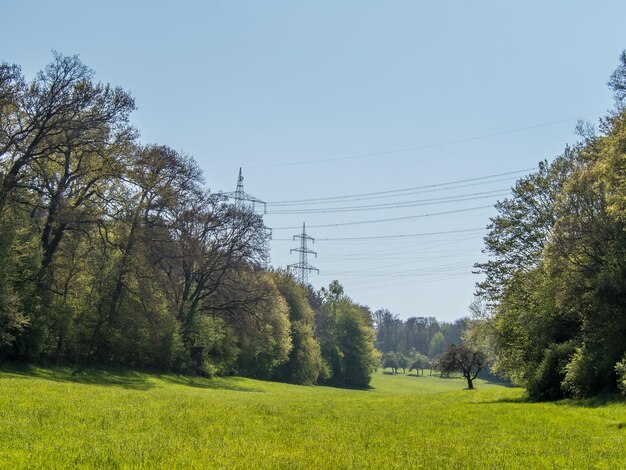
[(235, 384), (496, 381), (598, 401), (366, 388), (517, 401), (117, 377), (121, 377)]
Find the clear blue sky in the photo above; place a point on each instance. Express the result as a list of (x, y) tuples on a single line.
[(472, 88)]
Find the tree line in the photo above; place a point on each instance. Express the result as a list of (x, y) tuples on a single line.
[(420, 343), (114, 252), (552, 306), (425, 336)]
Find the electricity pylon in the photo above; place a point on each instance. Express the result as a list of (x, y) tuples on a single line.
[(240, 197), (302, 267)]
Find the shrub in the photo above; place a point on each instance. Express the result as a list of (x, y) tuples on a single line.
[(580, 374), (546, 382), (620, 369)]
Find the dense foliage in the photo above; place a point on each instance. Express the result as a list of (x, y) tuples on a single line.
[(114, 252), (555, 290)]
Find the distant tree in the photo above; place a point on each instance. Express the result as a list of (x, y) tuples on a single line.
[(389, 360), (328, 304), (334, 292), (437, 345), (452, 332), (421, 331), (422, 334), (355, 340), (387, 330), (403, 362), (462, 359), (344, 331), (420, 362)]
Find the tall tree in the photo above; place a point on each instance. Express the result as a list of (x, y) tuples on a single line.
[(61, 113), (305, 362), (387, 330), (555, 279)]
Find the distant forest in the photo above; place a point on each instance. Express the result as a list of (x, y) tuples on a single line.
[(114, 252)]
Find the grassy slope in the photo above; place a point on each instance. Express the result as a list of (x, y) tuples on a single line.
[(51, 418)]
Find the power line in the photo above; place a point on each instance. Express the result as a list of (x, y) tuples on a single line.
[(422, 280), (425, 146), (402, 235), (380, 272), (393, 219), (408, 193), (406, 256), (397, 191), (384, 270), (390, 253), (397, 205)]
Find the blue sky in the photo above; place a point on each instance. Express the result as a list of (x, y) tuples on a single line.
[(291, 91)]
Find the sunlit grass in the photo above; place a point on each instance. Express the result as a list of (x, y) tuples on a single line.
[(53, 418)]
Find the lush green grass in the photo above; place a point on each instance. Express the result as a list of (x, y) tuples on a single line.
[(56, 419)]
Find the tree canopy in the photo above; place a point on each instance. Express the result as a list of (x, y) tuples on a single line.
[(554, 283), (463, 359), (113, 251)]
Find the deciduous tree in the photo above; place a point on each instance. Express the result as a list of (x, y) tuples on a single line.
[(464, 360)]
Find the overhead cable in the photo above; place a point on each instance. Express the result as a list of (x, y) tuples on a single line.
[(393, 219), (397, 191), (424, 146), (397, 205), (402, 235)]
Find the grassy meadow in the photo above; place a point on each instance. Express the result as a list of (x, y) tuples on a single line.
[(54, 418)]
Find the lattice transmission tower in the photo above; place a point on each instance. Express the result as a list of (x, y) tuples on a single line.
[(302, 267), (241, 198)]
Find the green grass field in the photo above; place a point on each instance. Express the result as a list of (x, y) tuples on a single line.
[(51, 418)]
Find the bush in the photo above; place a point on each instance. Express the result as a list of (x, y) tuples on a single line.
[(218, 345), (620, 369), (580, 374), (546, 382)]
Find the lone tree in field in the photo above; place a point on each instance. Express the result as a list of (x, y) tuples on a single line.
[(462, 359)]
